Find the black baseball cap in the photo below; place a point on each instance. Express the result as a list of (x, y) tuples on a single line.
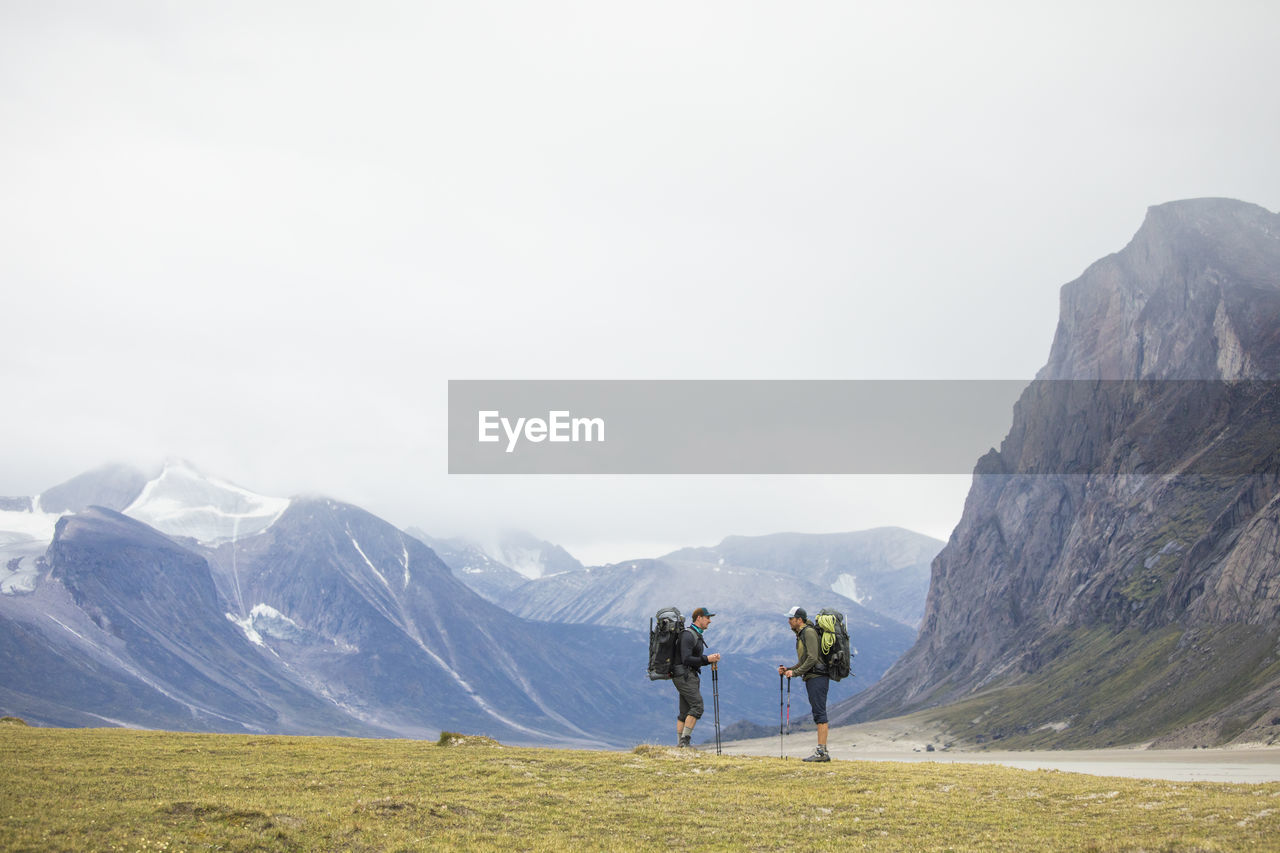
[(797, 613)]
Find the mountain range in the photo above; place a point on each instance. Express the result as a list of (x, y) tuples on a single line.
[(178, 600), (228, 611)]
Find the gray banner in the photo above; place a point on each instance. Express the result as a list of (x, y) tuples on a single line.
[(861, 427), (724, 427)]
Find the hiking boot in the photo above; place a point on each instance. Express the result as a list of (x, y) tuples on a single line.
[(684, 742), (819, 754)]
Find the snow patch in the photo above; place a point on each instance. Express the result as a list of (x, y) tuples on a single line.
[(246, 625), (847, 585), (184, 502), (268, 621), (368, 562), (269, 612), (405, 546), (18, 527), (70, 630)]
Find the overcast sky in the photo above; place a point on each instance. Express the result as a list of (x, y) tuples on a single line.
[(263, 236)]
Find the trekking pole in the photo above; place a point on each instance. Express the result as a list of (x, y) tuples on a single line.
[(780, 741), (715, 698), (788, 718)]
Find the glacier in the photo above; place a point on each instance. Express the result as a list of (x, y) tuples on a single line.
[(24, 536), (182, 501)]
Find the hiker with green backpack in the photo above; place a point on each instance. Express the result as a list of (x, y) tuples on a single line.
[(813, 669)]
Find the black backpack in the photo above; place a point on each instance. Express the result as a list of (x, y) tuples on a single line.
[(664, 642), (833, 643)]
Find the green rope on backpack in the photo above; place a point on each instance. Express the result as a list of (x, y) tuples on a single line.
[(828, 625)]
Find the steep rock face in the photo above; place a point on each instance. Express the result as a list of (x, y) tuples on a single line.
[(153, 612), (1156, 421), (1193, 296)]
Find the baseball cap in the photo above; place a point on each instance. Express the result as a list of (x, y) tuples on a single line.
[(797, 613), (702, 611)]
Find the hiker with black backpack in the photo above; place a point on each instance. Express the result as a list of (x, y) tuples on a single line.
[(811, 667), (686, 671)]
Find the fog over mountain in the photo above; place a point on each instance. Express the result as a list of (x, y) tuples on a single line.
[(472, 565), (265, 237)]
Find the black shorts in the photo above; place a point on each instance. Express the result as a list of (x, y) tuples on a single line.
[(817, 687), (689, 686)]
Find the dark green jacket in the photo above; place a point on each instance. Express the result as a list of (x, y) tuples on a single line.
[(810, 663)]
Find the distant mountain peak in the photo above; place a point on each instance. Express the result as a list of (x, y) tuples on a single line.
[(530, 556), (1210, 215), (183, 501), (113, 486)]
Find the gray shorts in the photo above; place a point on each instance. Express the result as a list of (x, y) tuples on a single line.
[(689, 686), (817, 688)]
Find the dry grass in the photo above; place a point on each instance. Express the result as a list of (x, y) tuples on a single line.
[(126, 790)]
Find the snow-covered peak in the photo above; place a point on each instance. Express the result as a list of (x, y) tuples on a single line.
[(529, 555), (24, 535), (183, 501)]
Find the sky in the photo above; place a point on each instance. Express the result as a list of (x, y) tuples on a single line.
[(264, 236)]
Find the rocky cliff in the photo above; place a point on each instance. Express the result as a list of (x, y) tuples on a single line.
[(1115, 576)]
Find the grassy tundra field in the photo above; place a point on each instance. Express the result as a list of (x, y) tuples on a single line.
[(113, 789)]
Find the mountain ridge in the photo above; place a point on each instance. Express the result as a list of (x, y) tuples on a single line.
[(327, 621)]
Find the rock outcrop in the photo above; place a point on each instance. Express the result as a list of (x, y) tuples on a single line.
[(1115, 576)]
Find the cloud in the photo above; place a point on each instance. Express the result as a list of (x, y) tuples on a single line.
[(265, 237)]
